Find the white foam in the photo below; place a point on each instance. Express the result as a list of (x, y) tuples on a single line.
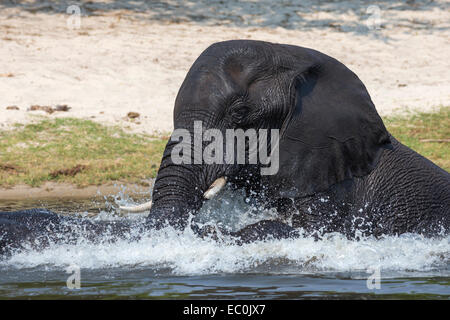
[(185, 253)]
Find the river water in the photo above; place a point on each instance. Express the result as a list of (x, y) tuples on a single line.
[(178, 265)]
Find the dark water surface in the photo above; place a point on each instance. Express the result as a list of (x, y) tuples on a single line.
[(169, 265)]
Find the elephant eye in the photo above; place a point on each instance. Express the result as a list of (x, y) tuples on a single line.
[(239, 112)]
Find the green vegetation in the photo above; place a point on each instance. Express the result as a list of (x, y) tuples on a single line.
[(77, 151), (426, 133), (83, 152)]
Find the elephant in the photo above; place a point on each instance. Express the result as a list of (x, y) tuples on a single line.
[(338, 168)]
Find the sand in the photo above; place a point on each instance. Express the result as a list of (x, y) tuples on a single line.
[(66, 191), (133, 55)]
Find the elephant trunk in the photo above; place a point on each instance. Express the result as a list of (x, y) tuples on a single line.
[(176, 193)]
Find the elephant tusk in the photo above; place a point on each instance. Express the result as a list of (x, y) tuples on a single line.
[(215, 187), (139, 208)]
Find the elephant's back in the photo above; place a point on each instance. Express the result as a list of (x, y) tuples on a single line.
[(409, 192)]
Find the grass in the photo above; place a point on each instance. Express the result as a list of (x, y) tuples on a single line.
[(83, 152), (412, 129), (76, 151)]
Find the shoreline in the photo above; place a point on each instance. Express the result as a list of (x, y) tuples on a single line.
[(53, 190)]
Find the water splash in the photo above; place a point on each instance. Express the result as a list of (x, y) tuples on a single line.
[(183, 253)]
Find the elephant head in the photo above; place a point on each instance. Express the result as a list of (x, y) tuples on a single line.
[(328, 128)]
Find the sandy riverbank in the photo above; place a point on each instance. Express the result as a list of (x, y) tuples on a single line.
[(65, 191), (133, 56)]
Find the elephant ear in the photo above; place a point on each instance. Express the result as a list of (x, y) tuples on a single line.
[(332, 132)]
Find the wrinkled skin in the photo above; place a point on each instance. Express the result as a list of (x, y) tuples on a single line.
[(340, 170)]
